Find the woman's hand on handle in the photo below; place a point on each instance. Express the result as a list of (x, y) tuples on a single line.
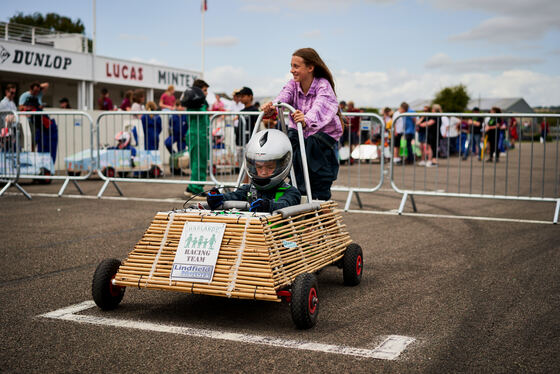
[(268, 109), (298, 116)]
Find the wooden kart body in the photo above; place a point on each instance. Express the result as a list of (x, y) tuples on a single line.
[(260, 254)]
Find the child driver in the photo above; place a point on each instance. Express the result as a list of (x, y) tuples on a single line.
[(268, 160)]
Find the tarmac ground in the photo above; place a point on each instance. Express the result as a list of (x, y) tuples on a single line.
[(471, 294)]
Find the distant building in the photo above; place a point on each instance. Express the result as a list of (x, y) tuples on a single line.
[(30, 54), (507, 105)]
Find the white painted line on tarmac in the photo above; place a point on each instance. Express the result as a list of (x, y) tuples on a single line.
[(390, 349), (91, 197), (394, 212)]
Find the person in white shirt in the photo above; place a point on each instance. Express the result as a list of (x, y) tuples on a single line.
[(399, 129)]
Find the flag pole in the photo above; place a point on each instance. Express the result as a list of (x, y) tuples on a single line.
[(203, 11)]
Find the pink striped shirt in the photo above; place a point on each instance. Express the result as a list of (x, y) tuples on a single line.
[(319, 106)]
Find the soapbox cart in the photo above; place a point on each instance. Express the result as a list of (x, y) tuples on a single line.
[(260, 256)]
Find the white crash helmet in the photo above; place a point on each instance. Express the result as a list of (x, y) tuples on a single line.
[(123, 139), (268, 150)]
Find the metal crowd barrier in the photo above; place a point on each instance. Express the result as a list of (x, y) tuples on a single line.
[(10, 152), (361, 154), (49, 141), (134, 147), (517, 169)]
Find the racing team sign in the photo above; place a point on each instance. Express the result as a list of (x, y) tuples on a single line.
[(197, 252)]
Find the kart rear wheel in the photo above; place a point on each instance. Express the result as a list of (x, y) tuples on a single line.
[(352, 265), (109, 172), (155, 172), (305, 301), (106, 295), (45, 172)]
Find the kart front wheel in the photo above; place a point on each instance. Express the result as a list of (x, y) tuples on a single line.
[(44, 172), (106, 295), (305, 301)]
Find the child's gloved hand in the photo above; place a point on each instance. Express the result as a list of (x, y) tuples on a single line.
[(261, 205), (214, 198)]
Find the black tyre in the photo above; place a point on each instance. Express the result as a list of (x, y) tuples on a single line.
[(106, 295), (155, 172), (45, 172), (122, 174), (109, 172), (305, 301), (72, 173), (352, 265)]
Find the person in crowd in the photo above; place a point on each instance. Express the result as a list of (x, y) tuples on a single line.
[(352, 133), (431, 126), (502, 131), (151, 125), (178, 126), (243, 135), (64, 103), (544, 129), (476, 133), (235, 105), (491, 128), (342, 106), (219, 105), (513, 134), (454, 128), (138, 98), (197, 136), (32, 101), (423, 135), (167, 99), (268, 159), (398, 130), (443, 143), (464, 137), (270, 122), (126, 103), (409, 131), (312, 93), (7, 103), (104, 102)]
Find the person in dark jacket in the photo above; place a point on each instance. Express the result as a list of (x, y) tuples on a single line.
[(178, 127), (151, 124), (268, 160)]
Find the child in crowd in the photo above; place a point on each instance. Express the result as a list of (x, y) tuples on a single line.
[(268, 159)]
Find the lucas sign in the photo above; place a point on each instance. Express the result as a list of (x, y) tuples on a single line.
[(197, 253)]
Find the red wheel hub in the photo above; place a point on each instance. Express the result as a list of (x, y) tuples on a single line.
[(359, 265), (114, 290), (313, 300)]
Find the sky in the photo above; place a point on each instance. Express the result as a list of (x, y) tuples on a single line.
[(381, 52)]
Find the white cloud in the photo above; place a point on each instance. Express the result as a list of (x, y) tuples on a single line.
[(443, 62), (133, 37), (312, 34), (512, 20), (223, 41), (378, 89)]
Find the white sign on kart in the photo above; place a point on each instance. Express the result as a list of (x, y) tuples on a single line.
[(195, 259)]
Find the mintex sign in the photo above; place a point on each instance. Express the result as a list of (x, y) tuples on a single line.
[(35, 60)]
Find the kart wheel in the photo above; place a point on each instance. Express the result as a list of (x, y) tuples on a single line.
[(352, 265), (72, 173), (155, 172), (305, 301), (44, 172), (122, 174), (106, 295), (109, 172)]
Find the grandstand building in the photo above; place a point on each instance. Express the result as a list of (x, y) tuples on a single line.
[(29, 54)]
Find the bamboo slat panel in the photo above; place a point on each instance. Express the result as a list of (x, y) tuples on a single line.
[(275, 252)]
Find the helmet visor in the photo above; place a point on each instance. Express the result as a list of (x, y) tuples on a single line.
[(263, 171)]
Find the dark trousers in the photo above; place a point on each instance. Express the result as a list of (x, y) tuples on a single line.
[(410, 153)]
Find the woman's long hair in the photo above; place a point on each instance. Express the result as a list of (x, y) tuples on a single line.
[(311, 58)]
